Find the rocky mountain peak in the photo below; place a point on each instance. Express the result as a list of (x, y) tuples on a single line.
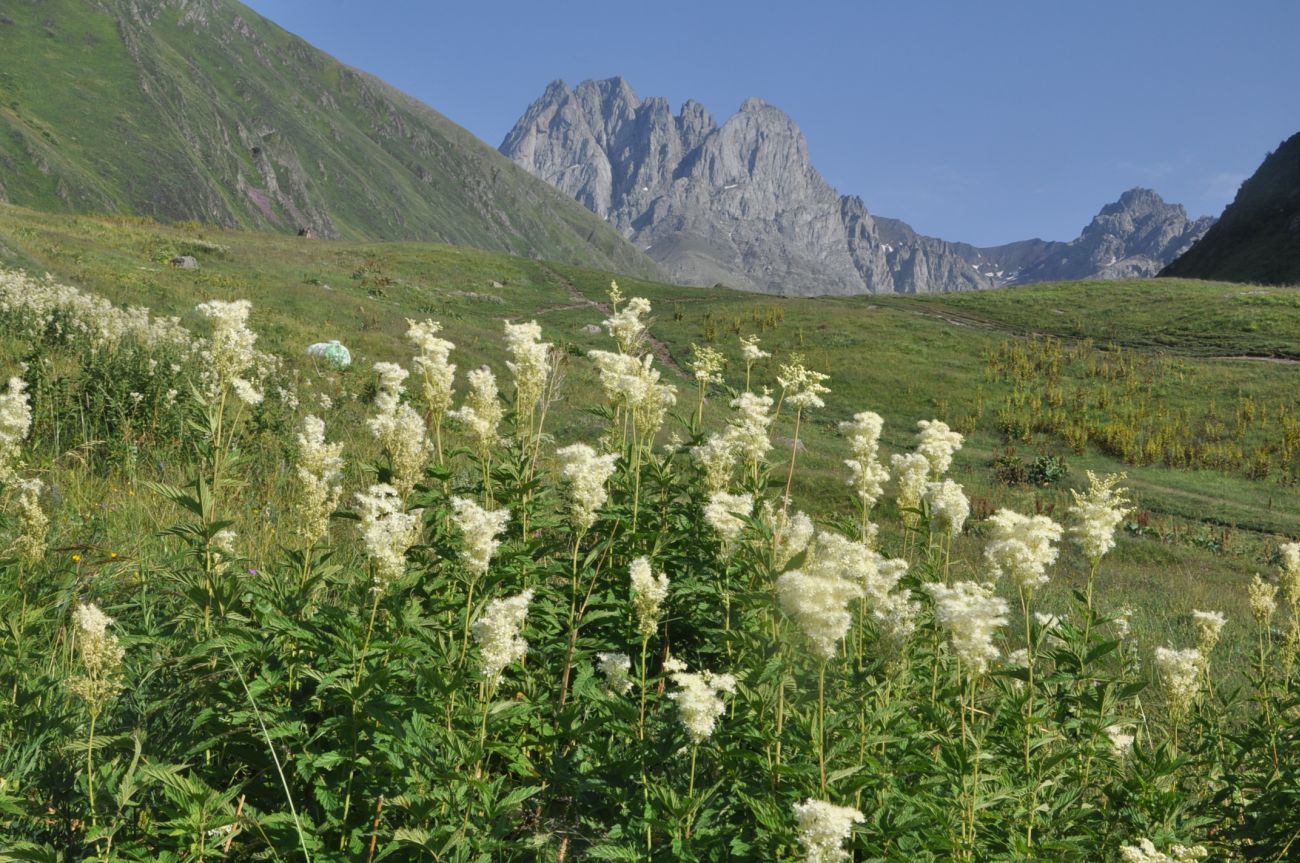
[(740, 203)]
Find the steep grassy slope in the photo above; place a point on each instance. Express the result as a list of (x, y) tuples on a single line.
[(201, 109), (1258, 237)]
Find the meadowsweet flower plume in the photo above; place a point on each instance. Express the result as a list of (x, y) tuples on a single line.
[(229, 352), (626, 327), (1209, 625), (867, 475), (717, 458), (911, 472), (33, 523), (751, 353), (1263, 600), (15, 424), (824, 828), (1121, 742), (937, 443), (1180, 672), (399, 429), (479, 529), (386, 531), (616, 667), (1021, 547), (1145, 852), (790, 533), (101, 658), (699, 698), (319, 488), (585, 475), (707, 364), (530, 364), (748, 428), (482, 411), (726, 514), (971, 614), (432, 363), (497, 634), (948, 505), (1289, 574), (818, 603), (802, 387), (1097, 513), (648, 594)]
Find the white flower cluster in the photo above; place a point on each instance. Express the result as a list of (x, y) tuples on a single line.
[(386, 531), (750, 352), (497, 633), (699, 698), (479, 528), (818, 602), (949, 507), (648, 594), (1097, 513), (433, 364), (41, 308), (971, 614), (229, 352), (530, 364), (15, 424), (1121, 742), (725, 513), (1180, 672), (744, 438), (937, 443), (834, 556), (1021, 546), (1145, 852), (707, 364), (824, 828), (911, 471), (585, 475), (866, 474), (790, 533), (101, 657), (1263, 600), (626, 327), (1289, 573), (399, 429), (482, 411), (1209, 625), (803, 387), (632, 383), (320, 469), (616, 667), (33, 524)]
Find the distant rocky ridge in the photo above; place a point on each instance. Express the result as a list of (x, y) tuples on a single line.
[(1258, 237), (741, 204)]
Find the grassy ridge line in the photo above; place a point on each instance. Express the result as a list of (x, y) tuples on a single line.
[(211, 112)]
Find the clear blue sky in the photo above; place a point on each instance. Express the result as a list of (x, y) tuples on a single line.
[(978, 121)]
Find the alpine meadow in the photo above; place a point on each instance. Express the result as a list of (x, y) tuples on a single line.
[(626, 490), (561, 570)]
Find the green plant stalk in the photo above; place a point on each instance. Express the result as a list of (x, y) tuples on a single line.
[(794, 453), (356, 681), (1029, 718), (821, 726)]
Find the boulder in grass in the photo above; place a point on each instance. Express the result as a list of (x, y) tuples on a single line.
[(185, 262), (332, 352)]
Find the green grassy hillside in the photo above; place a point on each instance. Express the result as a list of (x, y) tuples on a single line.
[(1258, 237), (1215, 440), (202, 657), (207, 111)]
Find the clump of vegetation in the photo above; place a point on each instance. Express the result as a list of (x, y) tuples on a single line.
[(472, 641)]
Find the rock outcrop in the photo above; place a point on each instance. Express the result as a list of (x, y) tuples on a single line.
[(741, 204)]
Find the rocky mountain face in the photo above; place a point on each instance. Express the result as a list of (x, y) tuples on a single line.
[(1132, 238), (738, 203), (202, 109), (741, 204), (1257, 239)]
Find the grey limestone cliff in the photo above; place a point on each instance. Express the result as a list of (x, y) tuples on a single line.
[(741, 204)]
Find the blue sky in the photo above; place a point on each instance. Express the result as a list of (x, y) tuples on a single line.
[(977, 121)]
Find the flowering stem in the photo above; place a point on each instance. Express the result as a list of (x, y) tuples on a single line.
[(821, 725), (1087, 621), (794, 452), (1029, 717), (90, 766)]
